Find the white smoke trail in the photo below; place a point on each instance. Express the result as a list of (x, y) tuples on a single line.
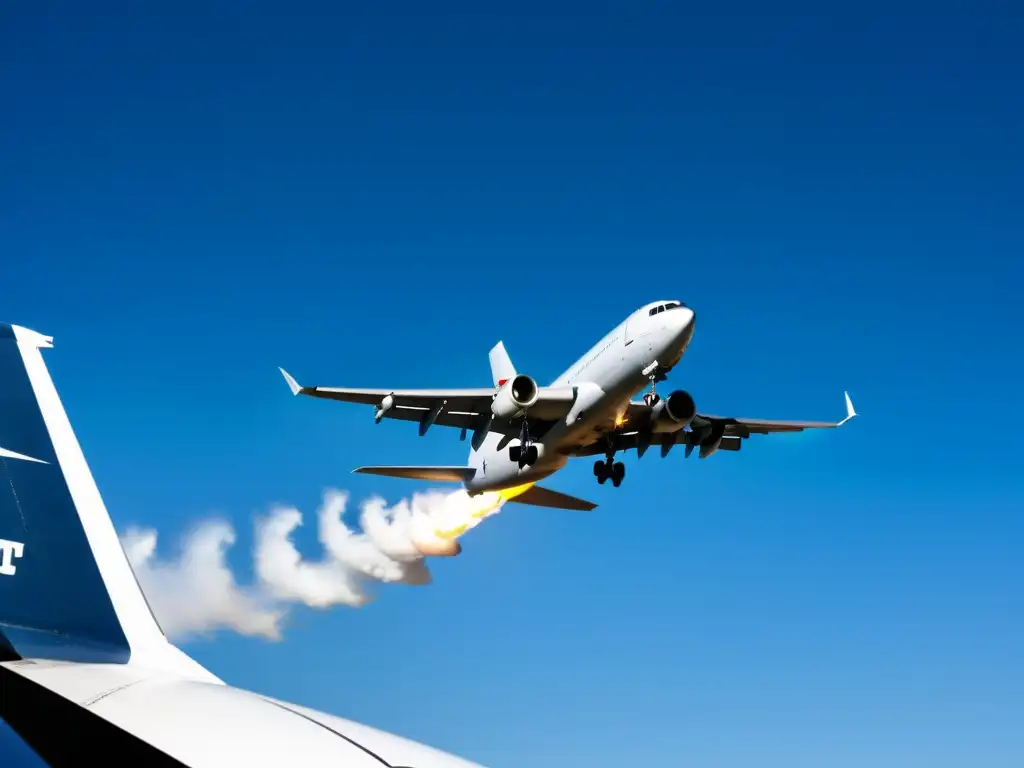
[(198, 593)]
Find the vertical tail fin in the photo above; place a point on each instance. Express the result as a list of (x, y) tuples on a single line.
[(67, 590), (501, 365)]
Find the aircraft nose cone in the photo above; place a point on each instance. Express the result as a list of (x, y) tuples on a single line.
[(683, 321)]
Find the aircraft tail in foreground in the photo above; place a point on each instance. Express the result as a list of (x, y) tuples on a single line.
[(67, 589), (84, 667)]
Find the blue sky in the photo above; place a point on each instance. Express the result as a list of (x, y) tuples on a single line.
[(374, 195)]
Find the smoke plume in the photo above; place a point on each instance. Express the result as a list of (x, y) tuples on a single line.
[(198, 594)]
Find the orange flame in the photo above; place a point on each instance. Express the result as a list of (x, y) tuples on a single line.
[(465, 512)]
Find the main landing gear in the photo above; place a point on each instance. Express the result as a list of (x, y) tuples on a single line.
[(524, 454), (609, 468)]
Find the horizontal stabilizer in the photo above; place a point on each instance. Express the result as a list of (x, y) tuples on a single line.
[(442, 474), (545, 497)]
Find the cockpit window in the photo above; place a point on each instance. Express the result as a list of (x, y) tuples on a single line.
[(664, 307)]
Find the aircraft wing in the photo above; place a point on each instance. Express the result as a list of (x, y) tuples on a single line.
[(745, 427), (461, 408), (457, 407), (705, 429), (742, 427)]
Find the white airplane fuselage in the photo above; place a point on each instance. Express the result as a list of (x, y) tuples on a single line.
[(606, 377)]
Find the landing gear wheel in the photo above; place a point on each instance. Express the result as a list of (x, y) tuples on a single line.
[(618, 473), (524, 457), (609, 470)]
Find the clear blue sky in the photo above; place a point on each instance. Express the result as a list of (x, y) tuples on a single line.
[(191, 196)]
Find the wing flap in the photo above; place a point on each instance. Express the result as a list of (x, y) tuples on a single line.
[(747, 427), (458, 419), (632, 441)]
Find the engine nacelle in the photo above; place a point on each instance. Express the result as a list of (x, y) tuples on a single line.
[(673, 412), (517, 394), (385, 405)]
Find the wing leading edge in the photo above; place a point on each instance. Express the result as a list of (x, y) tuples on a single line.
[(743, 427)]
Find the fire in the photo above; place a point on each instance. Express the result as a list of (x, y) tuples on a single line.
[(460, 512), (465, 511)]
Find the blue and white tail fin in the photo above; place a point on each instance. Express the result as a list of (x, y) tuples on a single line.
[(67, 590), (501, 365)]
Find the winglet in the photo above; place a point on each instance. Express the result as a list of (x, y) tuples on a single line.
[(850, 413), (293, 385)]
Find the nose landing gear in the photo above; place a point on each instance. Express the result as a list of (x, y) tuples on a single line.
[(655, 373)]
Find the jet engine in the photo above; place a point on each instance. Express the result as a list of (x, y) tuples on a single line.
[(673, 412), (515, 396)]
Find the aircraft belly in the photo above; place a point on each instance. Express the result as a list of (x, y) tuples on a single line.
[(496, 471), (510, 476), (601, 420)]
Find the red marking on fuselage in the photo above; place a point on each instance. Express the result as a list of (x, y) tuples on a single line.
[(501, 382)]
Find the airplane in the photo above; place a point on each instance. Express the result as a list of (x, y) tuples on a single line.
[(85, 668), (523, 433)]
